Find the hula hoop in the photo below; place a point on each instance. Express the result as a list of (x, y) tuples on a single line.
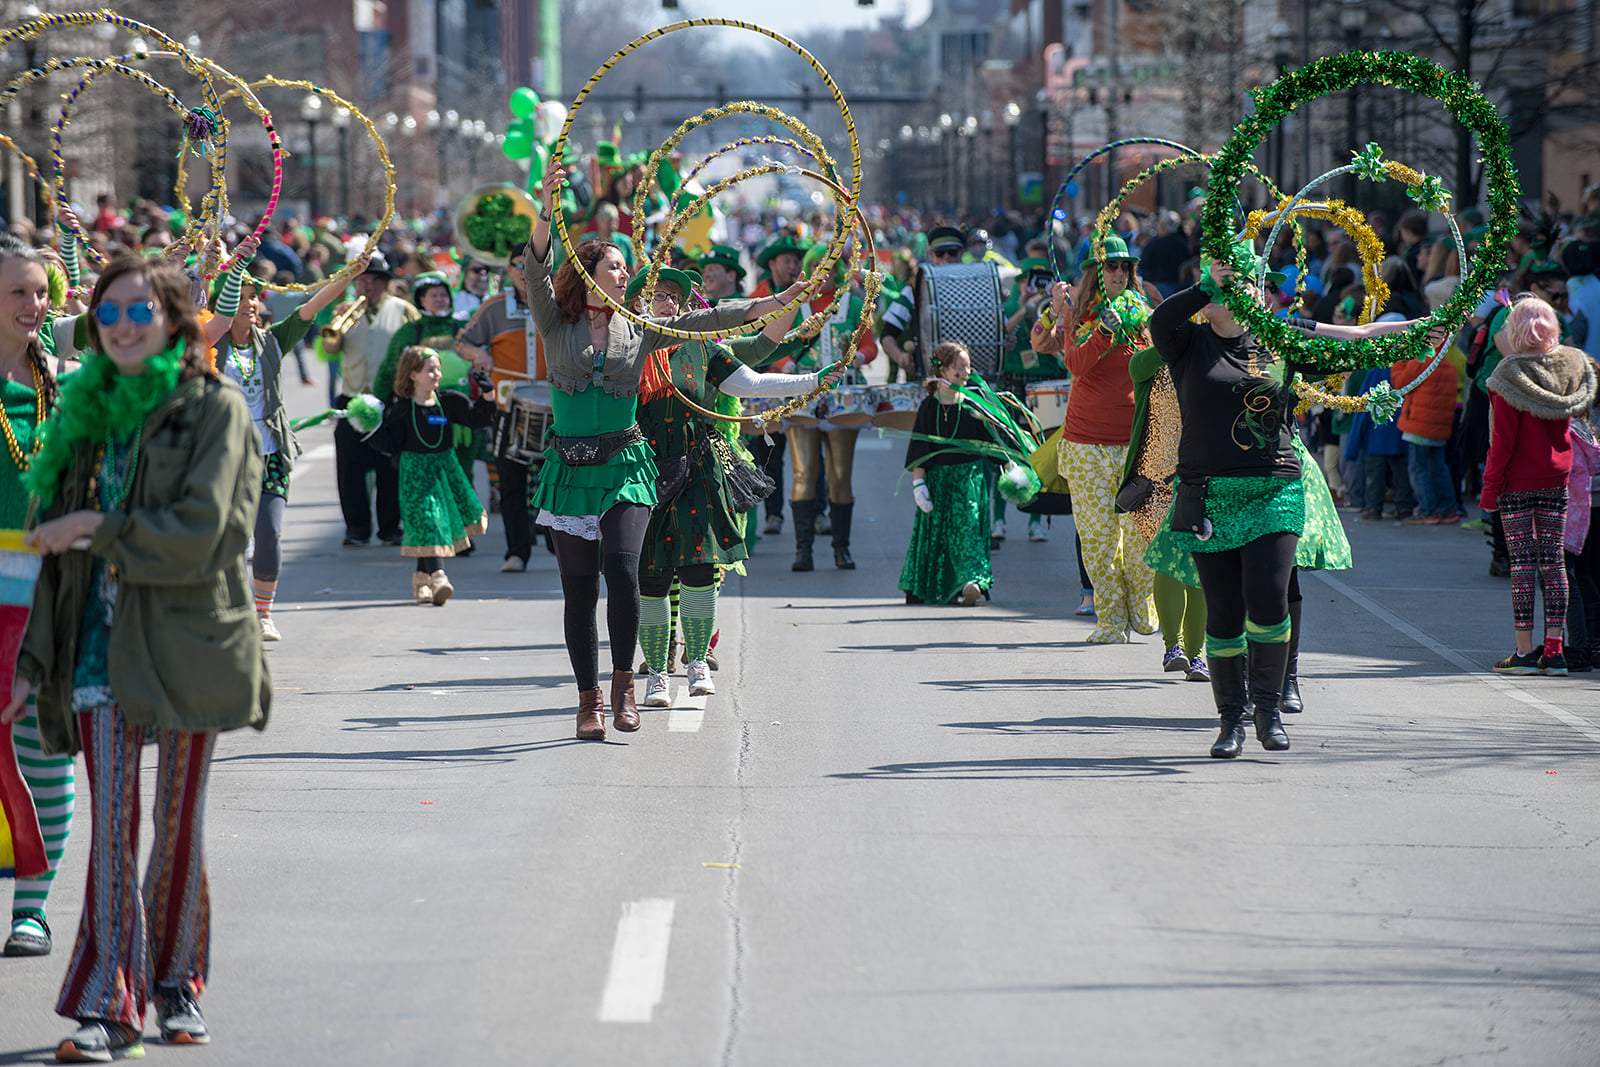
[(834, 250), (1460, 98)]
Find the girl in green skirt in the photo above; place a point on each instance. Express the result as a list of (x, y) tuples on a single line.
[(437, 503)]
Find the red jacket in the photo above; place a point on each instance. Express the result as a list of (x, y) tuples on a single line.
[(1430, 408), (1525, 453)]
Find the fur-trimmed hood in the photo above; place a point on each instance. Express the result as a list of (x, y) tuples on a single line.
[(1555, 385)]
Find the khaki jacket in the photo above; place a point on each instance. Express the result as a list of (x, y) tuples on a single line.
[(185, 648)]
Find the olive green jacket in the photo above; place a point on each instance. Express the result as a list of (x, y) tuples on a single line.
[(185, 648)]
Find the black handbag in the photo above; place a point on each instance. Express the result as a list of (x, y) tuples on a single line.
[(745, 484), (1134, 492)]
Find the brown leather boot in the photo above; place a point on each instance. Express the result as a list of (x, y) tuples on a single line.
[(591, 715), (624, 712)]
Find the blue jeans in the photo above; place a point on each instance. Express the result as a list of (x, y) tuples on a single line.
[(1430, 479)]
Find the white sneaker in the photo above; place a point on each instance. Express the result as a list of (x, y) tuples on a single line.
[(700, 683), (1036, 530), (269, 632), (513, 565), (822, 525), (774, 525), (655, 691), (997, 532)]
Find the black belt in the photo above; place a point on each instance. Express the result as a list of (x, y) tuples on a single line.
[(592, 451)]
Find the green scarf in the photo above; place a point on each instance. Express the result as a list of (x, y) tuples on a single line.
[(98, 400)]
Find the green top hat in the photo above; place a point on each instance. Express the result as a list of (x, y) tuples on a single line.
[(686, 282), (784, 242), (606, 154), (724, 256), (1116, 251)]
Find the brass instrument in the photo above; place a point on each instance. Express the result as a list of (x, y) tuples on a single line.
[(342, 322), (501, 220)]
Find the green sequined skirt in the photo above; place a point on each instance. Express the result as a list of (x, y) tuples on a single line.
[(950, 544), (1240, 510), (629, 477), (437, 505)]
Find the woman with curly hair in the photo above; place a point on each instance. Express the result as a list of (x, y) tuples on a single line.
[(597, 485), (1107, 324), (143, 629)]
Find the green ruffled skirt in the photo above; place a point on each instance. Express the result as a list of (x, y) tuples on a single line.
[(694, 526), (1323, 545), (950, 544), (437, 505), (629, 477)]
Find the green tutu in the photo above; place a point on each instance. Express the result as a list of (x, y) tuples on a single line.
[(1240, 510), (437, 504), (950, 544), (629, 477)]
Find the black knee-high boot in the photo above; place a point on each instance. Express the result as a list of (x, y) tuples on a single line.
[(842, 514), (1290, 703), (805, 514), (1268, 661), (1227, 689)]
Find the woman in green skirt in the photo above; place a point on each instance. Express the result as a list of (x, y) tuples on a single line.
[(597, 485), (437, 503), (948, 557)]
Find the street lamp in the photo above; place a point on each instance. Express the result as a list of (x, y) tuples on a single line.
[(1013, 117), (341, 122), (311, 112), (969, 130)]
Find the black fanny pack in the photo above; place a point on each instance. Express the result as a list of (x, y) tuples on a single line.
[(593, 451), (1189, 507)]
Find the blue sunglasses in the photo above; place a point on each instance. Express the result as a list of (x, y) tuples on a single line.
[(138, 314)]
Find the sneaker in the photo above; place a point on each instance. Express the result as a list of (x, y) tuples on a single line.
[(101, 1041), (1555, 666), (997, 532), (700, 683), (711, 658), (30, 934), (513, 565), (1475, 524), (179, 1016), (269, 631), (355, 542), (1175, 660), (970, 594), (1422, 520), (655, 691), (1499, 568), (1371, 514), (774, 525), (1515, 664), (1036, 530), (1198, 671), (1448, 519), (822, 525)]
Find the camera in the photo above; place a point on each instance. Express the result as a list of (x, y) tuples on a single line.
[(1039, 279)]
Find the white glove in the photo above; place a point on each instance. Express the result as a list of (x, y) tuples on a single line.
[(919, 493)]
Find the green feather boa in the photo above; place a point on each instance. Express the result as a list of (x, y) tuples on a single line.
[(98, 399)]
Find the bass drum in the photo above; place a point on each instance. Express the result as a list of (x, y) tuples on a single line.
[(962, 302)]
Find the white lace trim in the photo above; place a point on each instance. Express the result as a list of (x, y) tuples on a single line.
[(584, 526)]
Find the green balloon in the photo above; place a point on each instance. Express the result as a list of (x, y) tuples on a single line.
[(523, 101), (517, 145)]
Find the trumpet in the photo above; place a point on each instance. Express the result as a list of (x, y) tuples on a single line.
[(342, 322)]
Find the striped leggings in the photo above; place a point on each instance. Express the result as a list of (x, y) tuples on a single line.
[(1535, 522), (128, 941), (50, 784)]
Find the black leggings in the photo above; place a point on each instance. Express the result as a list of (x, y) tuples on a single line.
[(268, 558), (695, 576), (1250, 580), (581, 562)]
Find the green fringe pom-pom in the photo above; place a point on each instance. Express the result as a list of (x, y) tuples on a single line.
[(1019, 484), (365, 412)]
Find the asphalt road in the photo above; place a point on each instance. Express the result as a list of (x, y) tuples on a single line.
[(896, 835)]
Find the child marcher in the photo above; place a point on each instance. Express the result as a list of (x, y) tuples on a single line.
[(438, 506), (1533, 392)]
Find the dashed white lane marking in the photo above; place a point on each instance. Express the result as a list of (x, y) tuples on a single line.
[(1488, 678), (638, 973), (687, 713)]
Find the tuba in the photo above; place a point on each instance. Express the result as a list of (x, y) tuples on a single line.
[(494, 221), (341, 323)]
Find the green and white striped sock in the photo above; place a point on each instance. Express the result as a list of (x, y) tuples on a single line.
[(698, 610), (655, 631), (50, 781)]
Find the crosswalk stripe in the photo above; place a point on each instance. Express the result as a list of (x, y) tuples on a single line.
[(638, 976), (687, 714)]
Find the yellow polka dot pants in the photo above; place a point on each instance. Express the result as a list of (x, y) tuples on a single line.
[(1123, 585)]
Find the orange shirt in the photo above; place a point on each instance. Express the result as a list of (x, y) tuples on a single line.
[(1100, 406)]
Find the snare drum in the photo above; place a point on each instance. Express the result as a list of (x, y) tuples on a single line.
[(522, 429), (806, 414), (896, 405), (1048, 401), (849, 405)]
